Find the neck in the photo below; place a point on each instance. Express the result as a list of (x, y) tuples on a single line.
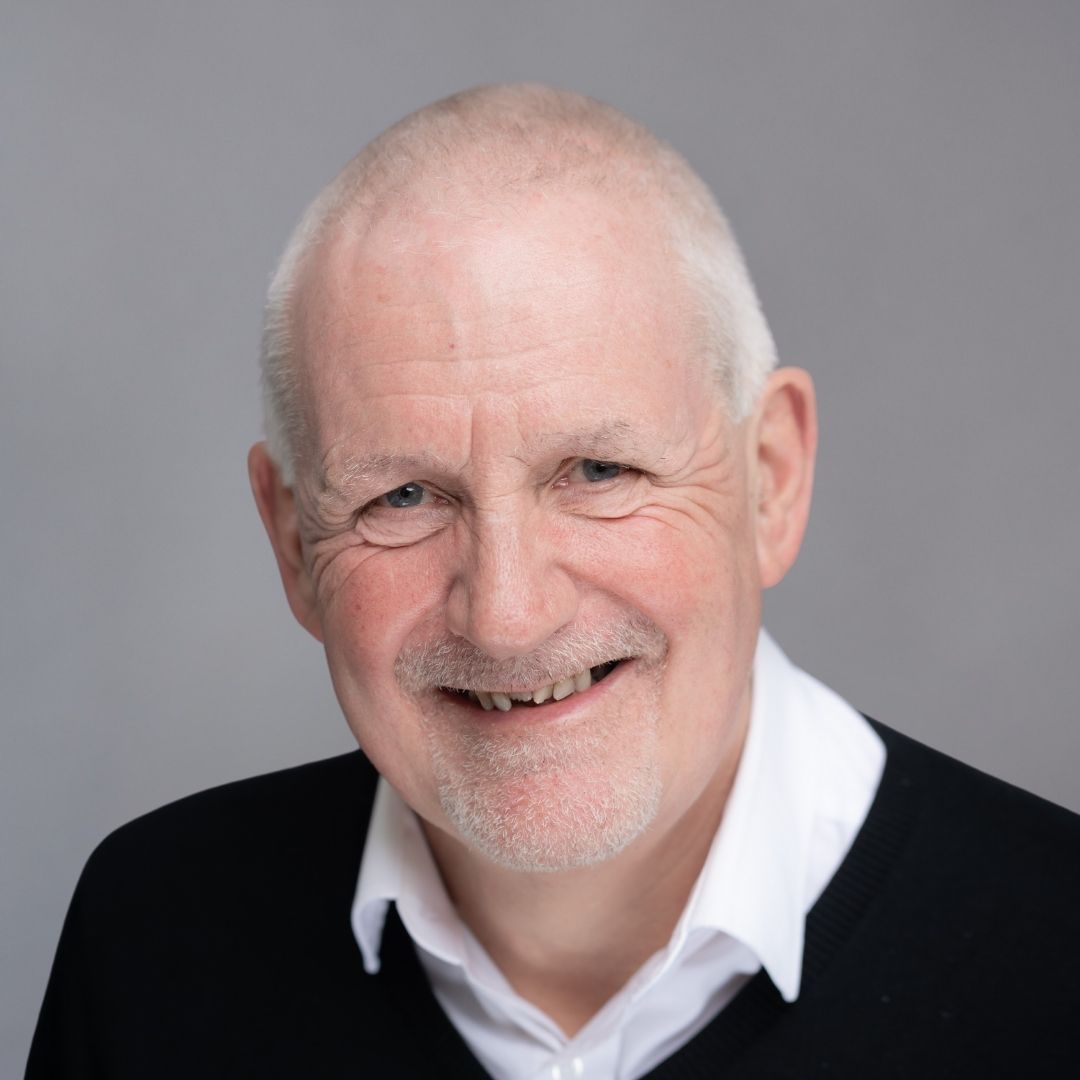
[(568, 941)]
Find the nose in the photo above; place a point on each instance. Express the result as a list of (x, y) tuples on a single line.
[(511, 592)]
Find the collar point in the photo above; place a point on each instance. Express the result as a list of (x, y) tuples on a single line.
[(789, 989), (372, 963)]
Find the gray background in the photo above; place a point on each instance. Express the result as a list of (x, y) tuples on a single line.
[(903, 177)]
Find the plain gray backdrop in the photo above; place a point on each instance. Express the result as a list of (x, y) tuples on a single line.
[(903, 178)]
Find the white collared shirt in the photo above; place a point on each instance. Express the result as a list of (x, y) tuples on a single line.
[(808, 774)]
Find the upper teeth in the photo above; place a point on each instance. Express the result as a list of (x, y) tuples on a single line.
[(497, 699)]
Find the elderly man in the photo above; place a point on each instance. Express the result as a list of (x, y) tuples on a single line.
[(530, 464)]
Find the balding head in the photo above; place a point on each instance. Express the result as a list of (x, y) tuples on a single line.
[(477, 153)]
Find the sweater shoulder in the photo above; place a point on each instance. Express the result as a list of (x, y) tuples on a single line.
[(958, 789), (244, 833), (286, 799), (971, 827)]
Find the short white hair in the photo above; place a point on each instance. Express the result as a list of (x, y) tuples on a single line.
[(500, 140)]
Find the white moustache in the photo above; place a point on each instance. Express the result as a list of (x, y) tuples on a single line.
[(455, 662)]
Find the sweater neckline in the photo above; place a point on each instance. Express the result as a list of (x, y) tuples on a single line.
[(759, 1004), (829, 926)]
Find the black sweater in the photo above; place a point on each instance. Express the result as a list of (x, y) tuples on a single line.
[(211, 938)]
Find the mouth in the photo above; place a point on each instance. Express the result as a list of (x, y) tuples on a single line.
[(537, 697)]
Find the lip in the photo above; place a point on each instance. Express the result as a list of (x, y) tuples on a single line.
[(548, 713)]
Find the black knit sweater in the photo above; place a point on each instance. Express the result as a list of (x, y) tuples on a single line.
[(211, 938)]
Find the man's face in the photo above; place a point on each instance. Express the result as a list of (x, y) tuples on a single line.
[(519, 474)]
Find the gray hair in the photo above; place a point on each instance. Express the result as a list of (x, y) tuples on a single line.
[(499, 140)]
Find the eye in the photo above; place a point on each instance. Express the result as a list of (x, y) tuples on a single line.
[(594, 471), (599, 489), (383, 523), (404, 497)]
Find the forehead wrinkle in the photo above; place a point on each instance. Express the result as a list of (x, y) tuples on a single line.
[(617, 438), (491, 354)]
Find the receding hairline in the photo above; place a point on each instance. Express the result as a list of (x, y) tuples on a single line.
[(487, 145), (476, 148), (514, 135)]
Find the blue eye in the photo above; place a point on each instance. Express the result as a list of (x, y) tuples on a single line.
[(405, 496), (594, 471)]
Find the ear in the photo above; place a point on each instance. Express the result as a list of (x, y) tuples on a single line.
[(277, 508), (784, 441)]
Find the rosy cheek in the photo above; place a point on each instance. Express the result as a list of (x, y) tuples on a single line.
[(379, 596), (647, 558)]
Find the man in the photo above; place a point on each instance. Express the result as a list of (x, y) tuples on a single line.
[(530, 464)]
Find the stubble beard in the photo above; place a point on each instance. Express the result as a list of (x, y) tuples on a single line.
[(545, 798)]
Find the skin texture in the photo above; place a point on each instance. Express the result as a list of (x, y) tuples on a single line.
[(489, 359)]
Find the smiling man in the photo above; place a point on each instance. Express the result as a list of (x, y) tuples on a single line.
[(530, 465)]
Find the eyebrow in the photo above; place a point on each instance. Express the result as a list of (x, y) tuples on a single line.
[(615, 440), (609, 437), (368, 471)]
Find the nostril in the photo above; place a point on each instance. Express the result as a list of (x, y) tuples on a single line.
[(510, 595)]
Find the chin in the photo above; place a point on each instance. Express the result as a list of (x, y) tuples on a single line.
[(545, 798), (538, 828)]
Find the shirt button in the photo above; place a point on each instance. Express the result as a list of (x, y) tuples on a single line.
[(578, 1066)]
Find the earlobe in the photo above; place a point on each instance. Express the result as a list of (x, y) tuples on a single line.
[(785, 442), (277, 508)]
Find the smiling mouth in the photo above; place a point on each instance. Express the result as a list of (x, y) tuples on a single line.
[(505, 700)]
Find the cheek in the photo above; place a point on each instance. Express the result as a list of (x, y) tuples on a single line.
[(698, 585), (682, 576), (370, 607), (374, 600)]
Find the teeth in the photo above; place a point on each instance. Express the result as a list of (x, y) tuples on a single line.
[(503, 701), (563, 689)]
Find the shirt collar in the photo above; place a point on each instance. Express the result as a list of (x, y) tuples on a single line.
[(752, 886), (398, 866)]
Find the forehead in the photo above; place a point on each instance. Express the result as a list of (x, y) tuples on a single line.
[(540, 315)]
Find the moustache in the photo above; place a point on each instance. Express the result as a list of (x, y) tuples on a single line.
[(452, 661)]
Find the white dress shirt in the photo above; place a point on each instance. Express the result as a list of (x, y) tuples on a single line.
[(808, 774)]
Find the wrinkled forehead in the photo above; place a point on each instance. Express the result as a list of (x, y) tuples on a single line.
[(538, 282), (467, 253)]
